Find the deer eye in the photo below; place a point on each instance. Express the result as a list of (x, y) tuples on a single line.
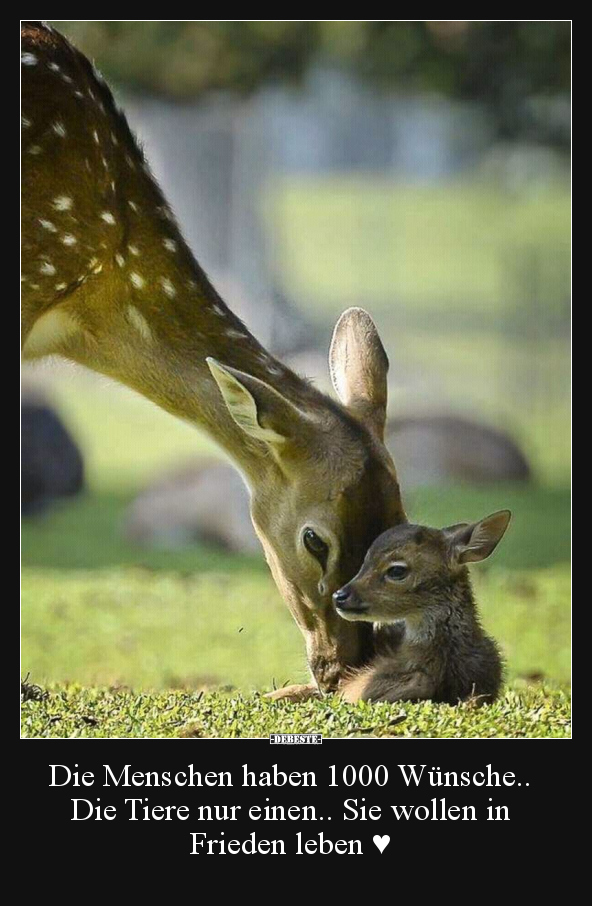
[(315, 546), (397, 571)]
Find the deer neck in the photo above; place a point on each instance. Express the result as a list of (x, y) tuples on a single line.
[(449, 625), (161, 325), (108, 280)]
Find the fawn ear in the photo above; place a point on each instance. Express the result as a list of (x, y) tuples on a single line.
[(358, 365), (470, 542), (258, 409)]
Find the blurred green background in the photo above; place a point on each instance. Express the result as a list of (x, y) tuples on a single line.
[(419, 169)]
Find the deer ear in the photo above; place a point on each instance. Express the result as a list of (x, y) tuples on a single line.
[(257, 408), (472, 542), (359, 366)]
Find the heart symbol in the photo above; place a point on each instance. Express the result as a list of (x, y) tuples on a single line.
[(381, 843)]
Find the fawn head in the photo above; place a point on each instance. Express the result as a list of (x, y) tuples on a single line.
[(411, 567)]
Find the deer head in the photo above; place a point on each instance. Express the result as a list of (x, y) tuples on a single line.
[(325, 485)]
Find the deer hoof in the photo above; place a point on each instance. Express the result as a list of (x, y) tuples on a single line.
[(294, 693)]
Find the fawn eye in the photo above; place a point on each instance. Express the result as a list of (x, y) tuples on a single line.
[(397, 571), (315, 546)]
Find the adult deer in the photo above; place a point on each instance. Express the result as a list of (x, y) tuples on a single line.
[(109, 282)]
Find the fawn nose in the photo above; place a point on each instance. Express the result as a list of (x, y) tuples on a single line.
[(342, 596)]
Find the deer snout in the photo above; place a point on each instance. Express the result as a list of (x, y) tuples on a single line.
[(347, 601), (342, 596)]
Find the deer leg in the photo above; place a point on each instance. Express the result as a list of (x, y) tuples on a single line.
[(334, 647), (294, 693)]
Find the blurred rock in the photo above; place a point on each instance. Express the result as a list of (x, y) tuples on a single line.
[(443, 449), (51, 462), (202, 502)]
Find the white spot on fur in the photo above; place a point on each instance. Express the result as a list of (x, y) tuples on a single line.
[(47, 268), (98, 75), (108, 217), (25, 121), (218, 311), (133, 206), (28, 59), (69, 239), (78, 93), (139, 321), (62, 203), (236, 334), (170, 244), (134, 250), (137, 280), (168, 287), (96, 136), (54, 67), (114, 139), (48, 225), (34, 149), (60, 286), (120, 259), (59, 129)]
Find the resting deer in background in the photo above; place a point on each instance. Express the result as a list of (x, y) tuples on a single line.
[(108, 282), (414, 587)]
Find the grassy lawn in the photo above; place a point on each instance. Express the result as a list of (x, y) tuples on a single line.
[(76, 712), (207, 620), (102, 618)]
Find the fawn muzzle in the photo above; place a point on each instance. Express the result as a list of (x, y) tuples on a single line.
[(347, 602)]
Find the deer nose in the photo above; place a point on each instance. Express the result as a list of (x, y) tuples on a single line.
[(342, 596)]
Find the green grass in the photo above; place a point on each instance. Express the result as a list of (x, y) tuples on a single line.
[(70, 711), (99, 613), (158, 629), (103, 614)]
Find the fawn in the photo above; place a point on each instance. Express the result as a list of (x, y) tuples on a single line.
[(414, 586)]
